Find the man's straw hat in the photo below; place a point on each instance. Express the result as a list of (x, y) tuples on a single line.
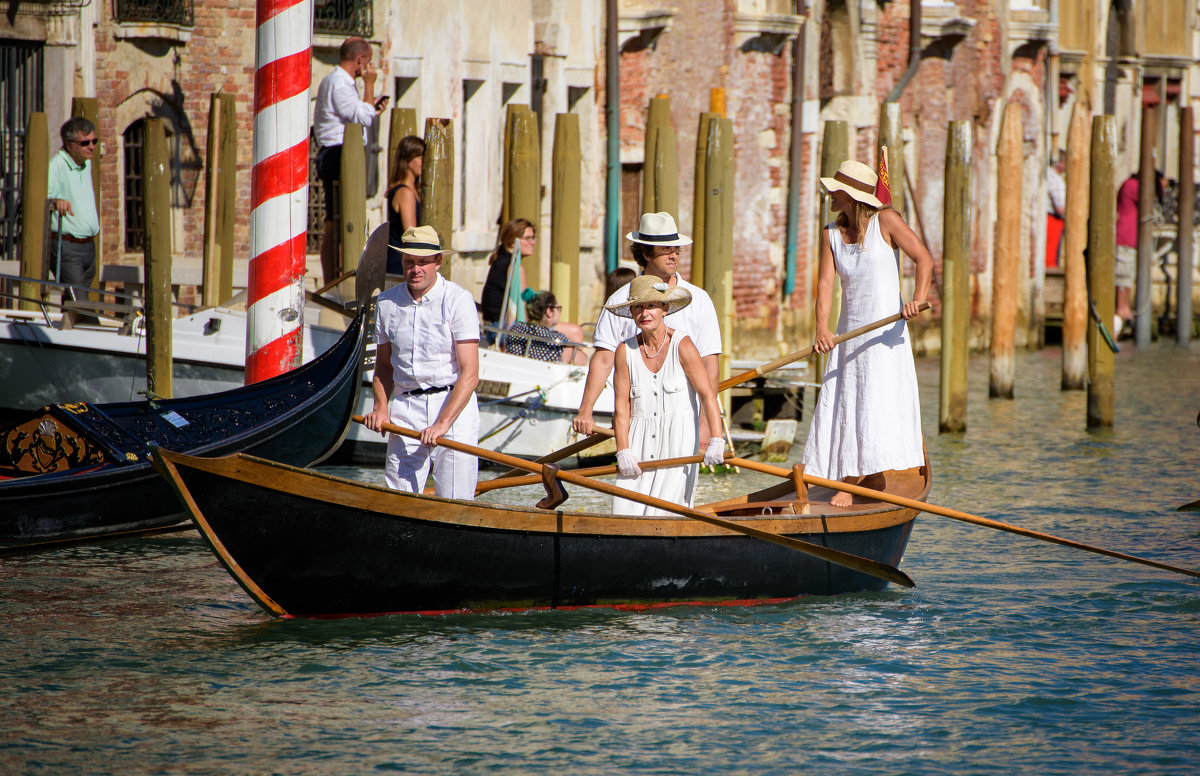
[(421, 241)]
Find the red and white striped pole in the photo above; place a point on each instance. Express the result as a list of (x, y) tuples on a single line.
[(279, 188)]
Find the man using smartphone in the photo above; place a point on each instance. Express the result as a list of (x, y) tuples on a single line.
[(338, 104)]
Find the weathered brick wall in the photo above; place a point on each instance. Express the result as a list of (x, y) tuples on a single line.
[(695, 55), (147, 77)]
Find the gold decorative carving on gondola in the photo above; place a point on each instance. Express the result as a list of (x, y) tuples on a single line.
[(40, 445)]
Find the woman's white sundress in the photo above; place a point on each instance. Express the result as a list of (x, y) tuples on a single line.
[(664, 423), (868, 416)]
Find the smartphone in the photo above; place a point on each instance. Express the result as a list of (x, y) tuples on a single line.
[(381, 102)]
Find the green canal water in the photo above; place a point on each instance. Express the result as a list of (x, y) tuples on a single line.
[(1010, 655)]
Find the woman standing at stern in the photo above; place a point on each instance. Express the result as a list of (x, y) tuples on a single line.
[(868, 416), (658, 375)]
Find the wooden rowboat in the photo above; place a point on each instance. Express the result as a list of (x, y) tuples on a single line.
[(307, 544), (73, 471)]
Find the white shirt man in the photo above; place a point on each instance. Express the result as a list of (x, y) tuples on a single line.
[(426, 369), (656, 246)]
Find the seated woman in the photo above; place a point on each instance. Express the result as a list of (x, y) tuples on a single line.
[(657, 379), (541, 311)]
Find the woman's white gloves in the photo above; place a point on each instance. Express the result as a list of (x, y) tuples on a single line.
[(715, 453), (627, 463)]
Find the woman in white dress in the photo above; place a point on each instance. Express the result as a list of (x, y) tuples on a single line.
[(657, 379), (868, 416)]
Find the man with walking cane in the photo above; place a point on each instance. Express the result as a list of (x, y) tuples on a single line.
[(74, 220)]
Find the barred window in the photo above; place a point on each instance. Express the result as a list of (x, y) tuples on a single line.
[(135, 222), (343, 17), (155, 11)]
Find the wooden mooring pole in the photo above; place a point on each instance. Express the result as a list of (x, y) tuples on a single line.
[(525, 186), (1100, 269), (353, 193), (402, 122), (1187, 197), (157, 258), (956, 280), (566, 170), (835, 149), (1006, 277), (89, 108), (220, 200), (891, 135), (1075, 230), (35, 185), (437, 184), (718, 232), (1147, 186), (699, 197), (660, 169)]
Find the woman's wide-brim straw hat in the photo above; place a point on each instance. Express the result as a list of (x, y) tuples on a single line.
[(856, 179), (420, 241), (658, 229), (646, 289)]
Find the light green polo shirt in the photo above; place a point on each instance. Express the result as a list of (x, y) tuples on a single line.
[(73, 183)]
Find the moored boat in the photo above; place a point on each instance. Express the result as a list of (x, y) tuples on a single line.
[(79, 470), (308, 544)]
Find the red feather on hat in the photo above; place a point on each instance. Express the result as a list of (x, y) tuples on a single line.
[(882, 192)]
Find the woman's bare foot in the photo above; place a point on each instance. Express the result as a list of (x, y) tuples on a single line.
[(842, 498)]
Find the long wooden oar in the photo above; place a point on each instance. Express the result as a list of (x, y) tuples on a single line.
[(783, 361), (729, 382), (864, 565), (591, 471), (956, 515)]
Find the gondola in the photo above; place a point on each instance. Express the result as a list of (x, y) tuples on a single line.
[(308, 544), (76, 470)]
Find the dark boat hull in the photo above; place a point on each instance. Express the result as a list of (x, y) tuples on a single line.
[(298, 418), (306, 544)]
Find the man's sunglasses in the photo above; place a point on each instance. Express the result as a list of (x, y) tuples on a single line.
[(85, 143)]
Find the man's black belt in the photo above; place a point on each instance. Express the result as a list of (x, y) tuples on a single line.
[(423, 391), (70, 237)]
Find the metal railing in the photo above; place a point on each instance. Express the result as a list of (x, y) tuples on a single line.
[(343, 17), (155, 11)]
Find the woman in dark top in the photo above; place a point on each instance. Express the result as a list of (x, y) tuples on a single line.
[(492, 298), (404, 195)]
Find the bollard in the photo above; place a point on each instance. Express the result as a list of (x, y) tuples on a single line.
[(891, 134), (718, 235), (525, 186), (1100, 268), (220, 199), (1075, 312), (157, 258), (565, 206), (1187, 197), (1006, 278), (437, 184), (353, 195), (35, 187), (699, 198), (956, 280)]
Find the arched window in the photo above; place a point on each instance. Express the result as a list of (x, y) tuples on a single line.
[(134, 205)]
